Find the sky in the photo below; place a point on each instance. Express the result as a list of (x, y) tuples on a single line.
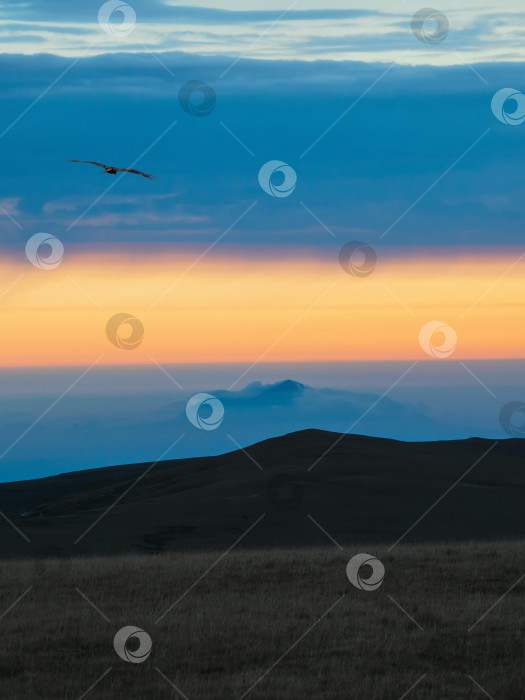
[(234, 309), (268, 30), (394, 147)]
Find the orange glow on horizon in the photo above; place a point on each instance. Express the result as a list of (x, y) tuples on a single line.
[(228, 309)]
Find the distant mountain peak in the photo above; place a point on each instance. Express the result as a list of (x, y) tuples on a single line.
[(287, 386), (282, 392), (284, 385)]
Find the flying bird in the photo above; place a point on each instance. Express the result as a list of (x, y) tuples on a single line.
[(112, 170)]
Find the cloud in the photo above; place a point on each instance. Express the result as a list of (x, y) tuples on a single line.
[(158, 10), (71, 29), (112, 429), (365, 144), (142, 219), (21, 39), (54, 207), (10, 205)]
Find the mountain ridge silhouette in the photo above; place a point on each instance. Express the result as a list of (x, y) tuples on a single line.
[(361, 489)]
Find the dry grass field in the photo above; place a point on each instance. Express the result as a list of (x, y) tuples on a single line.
[(279, 624)]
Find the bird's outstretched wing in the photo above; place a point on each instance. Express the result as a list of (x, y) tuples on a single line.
[(91, 162), (137, 172)]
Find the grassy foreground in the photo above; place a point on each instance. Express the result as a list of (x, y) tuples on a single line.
[(236, 623)]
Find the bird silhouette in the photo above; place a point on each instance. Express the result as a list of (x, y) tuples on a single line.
[(112, 170)]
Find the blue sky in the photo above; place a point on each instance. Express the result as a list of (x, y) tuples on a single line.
[(283, 75), (358, 179)]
